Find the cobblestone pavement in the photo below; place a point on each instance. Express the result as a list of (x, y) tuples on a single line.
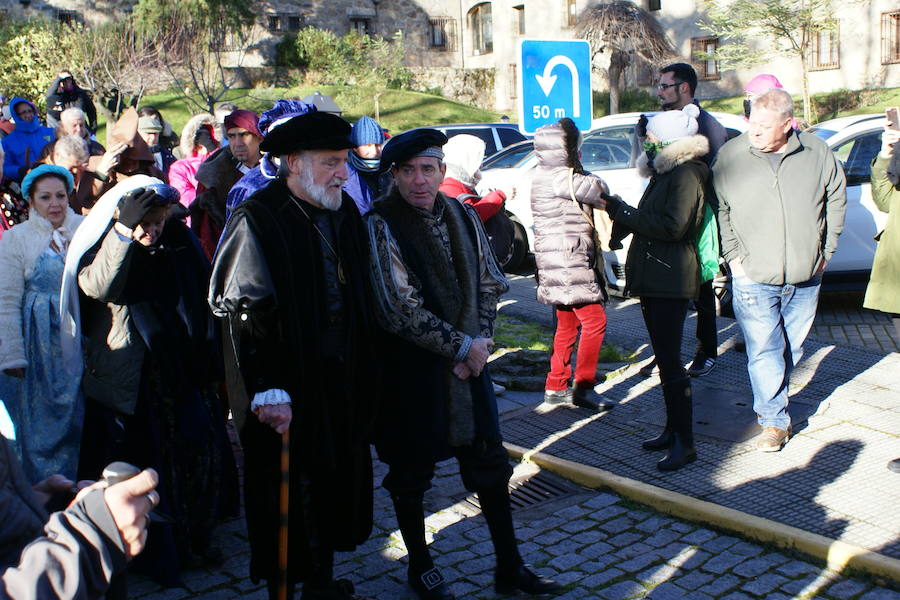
[(842, 320), (595, 543), (830, 479)]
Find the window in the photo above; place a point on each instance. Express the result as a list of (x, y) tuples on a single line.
[(442, 31), (654, 4), (519, 18), (570, 14), (295, 22), (67, 17), (481, 25), (359, 26), (513, 84), (703, 55), (890, 37), (509, 136), (825, 50), (273, 22), (856, 156)]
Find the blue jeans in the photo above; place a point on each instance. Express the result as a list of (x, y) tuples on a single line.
[(775, 320)]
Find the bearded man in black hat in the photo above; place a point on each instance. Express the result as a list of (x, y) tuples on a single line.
[(436, 289), (290, 279)]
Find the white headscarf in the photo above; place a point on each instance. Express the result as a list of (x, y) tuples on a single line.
[(463, 155), (85, 237)]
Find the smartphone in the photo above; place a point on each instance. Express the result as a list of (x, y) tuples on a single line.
[(893, 117)]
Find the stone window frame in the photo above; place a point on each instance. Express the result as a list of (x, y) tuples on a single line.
[(519, 14), (653, 5), (480, 19), (294, 22), (442, 34), (890, 37), (699, 46), (361, 25), (831, 57), (273, 22), (570, 13)]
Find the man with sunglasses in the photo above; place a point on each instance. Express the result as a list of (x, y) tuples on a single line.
[(675, 90)]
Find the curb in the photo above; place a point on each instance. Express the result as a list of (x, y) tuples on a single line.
[(836, 554)]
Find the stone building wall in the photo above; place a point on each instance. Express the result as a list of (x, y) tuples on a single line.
[(471, 86)]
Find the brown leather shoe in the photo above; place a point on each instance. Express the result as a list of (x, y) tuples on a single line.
[(772, 439)]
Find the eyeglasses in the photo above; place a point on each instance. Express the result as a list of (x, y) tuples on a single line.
[(664, 86)]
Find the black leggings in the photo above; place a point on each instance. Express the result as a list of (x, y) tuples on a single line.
[(664, 318)]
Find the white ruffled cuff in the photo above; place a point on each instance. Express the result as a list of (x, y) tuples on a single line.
[(269, 398)]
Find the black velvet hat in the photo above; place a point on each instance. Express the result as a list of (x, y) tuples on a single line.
[(312, 131), (417, 142)]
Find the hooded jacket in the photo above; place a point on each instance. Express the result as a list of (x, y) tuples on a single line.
[(569, 264), (780, 220), (59, 100), (662, 257), (23, 146)]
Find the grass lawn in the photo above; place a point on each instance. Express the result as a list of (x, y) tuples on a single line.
[(403, 109), (400, 109), (516, 334)]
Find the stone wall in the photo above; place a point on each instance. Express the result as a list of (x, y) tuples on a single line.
[(472, 86)]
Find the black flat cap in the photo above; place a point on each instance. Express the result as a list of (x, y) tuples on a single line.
[(412, 143), (312, 131)]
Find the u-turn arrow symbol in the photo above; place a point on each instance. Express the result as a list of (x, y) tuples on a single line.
[(547, 80)]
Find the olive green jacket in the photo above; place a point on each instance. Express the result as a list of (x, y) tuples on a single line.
[(883, 292)]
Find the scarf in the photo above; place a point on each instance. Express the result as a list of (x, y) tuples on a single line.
[(450, 280), (367, 165)]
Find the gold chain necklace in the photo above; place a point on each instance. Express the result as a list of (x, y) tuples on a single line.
[(340, 264)]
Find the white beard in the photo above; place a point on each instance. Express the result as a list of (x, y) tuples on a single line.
[(325, 195)]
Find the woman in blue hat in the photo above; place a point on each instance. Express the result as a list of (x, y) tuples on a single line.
[(41, 395)]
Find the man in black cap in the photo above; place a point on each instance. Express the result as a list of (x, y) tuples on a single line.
[(436, 289), (291, 280)]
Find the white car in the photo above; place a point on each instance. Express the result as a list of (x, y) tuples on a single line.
[(855, 141), (606, 152)]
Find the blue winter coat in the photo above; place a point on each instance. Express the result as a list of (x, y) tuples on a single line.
[(23, 146)]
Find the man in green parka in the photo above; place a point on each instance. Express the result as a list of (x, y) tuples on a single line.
[(883, 292)]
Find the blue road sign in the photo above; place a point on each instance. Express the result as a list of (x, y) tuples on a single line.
[(554, 82)]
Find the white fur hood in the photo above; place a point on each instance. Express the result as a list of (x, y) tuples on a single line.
[(676, 153)]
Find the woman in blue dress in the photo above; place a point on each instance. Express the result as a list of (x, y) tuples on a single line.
[(42, 395)]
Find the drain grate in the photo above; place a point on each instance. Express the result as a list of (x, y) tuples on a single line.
[(534, 490)]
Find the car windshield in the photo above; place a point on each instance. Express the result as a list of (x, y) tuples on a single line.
[(821, 132)]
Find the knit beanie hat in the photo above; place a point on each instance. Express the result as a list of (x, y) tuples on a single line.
[(761, 84), (366, 131), (672, 125)]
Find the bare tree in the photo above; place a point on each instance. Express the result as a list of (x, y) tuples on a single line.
[(626, 32), (114, 63), (791, 24), (202, 44)]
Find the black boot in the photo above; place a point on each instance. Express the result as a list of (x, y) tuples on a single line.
[(512, 575), (424, 578), (680, 412), (664, 439), (661, 442)]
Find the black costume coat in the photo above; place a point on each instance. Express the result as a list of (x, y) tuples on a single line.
[(268, 285)]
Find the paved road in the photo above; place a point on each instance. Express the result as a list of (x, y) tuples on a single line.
[(830, 478), (597, 544)]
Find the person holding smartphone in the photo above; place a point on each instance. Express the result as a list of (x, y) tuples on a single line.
[(883, 291)]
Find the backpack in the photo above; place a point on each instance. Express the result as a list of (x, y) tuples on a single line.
[(500, 230)]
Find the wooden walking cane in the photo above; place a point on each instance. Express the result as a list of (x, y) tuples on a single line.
[(283, 498)]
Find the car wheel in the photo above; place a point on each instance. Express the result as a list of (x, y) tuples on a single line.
[(520, 246)]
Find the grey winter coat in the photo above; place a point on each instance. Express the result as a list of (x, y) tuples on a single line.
[(780, 221), (569, 265), (662, 256), (113, 348)]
